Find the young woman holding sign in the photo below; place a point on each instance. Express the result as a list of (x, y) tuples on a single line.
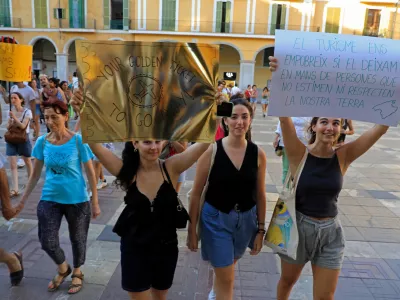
[(147, 226), (321, 238)]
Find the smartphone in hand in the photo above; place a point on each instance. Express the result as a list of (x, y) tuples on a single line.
[(225, 109)]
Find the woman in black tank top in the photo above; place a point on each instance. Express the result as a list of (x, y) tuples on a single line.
[(321, 238), (149, 246), (233, 216)]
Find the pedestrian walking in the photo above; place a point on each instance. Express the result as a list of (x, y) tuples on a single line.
[(321, 238), (253, 98), (265, 100), (347, 129), (17, 139), (147, 226), (38, 112), (12, 260), (233, 215), (301, 125), (64, 193)]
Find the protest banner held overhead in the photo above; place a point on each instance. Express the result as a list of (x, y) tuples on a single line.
[(15, 62), (323, 74), (138, 90)]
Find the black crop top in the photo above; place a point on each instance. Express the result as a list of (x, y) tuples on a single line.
[(319, 186), (230, 188), (143, 222)]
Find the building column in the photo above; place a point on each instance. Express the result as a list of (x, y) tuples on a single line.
[(62, 66), (246, 73)]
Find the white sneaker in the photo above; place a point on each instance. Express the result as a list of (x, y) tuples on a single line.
[(212, 295), (99, 184), (20, 163)]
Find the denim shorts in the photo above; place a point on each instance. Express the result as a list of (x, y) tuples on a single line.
[(24, 149), (182, 177), (225, 237), (320, 241), (38, 111), (264, 101), (253, 100)]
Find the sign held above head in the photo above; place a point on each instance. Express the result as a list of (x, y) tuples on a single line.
[(141, 91), (330, 75)]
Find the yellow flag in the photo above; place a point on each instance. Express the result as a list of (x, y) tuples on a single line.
[(15, 62), (140, 91)]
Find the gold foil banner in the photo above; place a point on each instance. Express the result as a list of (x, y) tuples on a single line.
[(141, 91)]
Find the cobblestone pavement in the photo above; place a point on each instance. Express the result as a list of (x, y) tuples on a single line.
[(369, 212)]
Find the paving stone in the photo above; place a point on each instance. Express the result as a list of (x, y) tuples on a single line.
[(387, 250), (356, 210), (303, 289), (359, 267), (372, 221), (262, 263), (381, 194), (352, 289), (360, 249), (379, 211), (380, 234), (368, 202), (104, 251), (108, 235), (352, 234), (384, 289), (99, 271), (271, 188)]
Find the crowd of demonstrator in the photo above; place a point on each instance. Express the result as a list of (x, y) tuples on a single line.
[(227, 204)]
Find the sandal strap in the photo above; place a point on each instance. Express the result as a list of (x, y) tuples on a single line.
[(79, 276), (75, 285), (66, 273)]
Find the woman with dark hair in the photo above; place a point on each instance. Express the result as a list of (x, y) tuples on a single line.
[(233, 215), (19, 116), (321, 238), (149, 245), (64, 193), (53, 91), (265, 100)]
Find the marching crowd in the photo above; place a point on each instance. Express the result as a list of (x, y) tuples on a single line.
[(226, 221)]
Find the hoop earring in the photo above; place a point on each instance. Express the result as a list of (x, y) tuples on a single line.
[(135, 150)]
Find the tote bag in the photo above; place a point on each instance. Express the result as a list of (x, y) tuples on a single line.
[(282, 235)]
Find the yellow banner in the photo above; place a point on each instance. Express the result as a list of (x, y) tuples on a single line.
[(15, 62), (139, 90)]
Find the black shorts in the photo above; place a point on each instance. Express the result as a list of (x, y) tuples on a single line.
[(153, 267)]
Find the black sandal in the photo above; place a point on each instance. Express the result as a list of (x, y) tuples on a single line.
[(56, 284), (76, 285), (16, 277)]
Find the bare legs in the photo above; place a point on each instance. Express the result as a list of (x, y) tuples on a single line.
[(151, 294), (14, 171), (10, 260)]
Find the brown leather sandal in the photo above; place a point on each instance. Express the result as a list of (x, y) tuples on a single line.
[(56, 284), (76, 285)]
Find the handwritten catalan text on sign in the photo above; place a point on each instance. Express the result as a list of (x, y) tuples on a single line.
[(141, 91), (15, 62), (322, 74)]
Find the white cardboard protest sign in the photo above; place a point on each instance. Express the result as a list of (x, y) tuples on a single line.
[(331, 75)]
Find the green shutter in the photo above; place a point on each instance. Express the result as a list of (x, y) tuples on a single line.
[(125, 11), (168, 15), (41, 13), (283, 16), (218, 19), (5, 18), (228, 16), (76, 14), (274, 14), (332, 20), (106, 13)]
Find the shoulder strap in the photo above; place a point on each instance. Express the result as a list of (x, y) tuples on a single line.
[(298, 172), (166, 173), (23, 116)]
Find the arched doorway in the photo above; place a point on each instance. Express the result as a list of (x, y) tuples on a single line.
[(262, 74), (71, 61), (44, 58), (229, 64)]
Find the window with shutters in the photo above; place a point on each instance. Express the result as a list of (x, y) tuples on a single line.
[(76, 14), (168, 15), (223, 16), (5, 17), (332, 22), (41, 14), (116, 14), (372, 22), (125, 14), (278, 17), (267, 53)]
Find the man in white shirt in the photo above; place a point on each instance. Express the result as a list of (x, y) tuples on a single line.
[(75, 81), (235, 90)]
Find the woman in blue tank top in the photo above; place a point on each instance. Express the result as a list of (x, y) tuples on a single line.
[(321, 238)]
